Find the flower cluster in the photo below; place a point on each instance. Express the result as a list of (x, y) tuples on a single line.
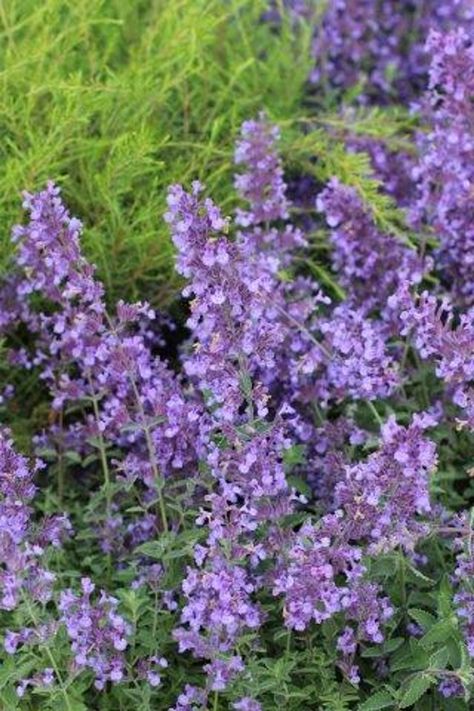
[(230, 300), (22, 544), (378, 503), (445, 174), (97, 632), (383, 496), (262, 185), (251, 498), (379, 45), (83, 353), (370, 265), (431, 325), (464, 598)]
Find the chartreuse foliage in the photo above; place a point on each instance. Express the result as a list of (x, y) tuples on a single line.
[(116, 100)]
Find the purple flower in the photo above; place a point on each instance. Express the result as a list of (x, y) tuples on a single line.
[(370, 265), (379, 45), (41, 679), (463, 577), (384, 495), (98, 634), (22, 545), (231, 297), (450, 686), (445, 172), (192, 699), (430, 325), (262, 185), (103, 362)]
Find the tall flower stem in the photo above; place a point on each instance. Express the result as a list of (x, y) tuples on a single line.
[(152, 454)]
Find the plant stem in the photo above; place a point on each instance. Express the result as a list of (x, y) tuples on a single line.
[(152, 455), (103, 458), (61, 462), (401, 571), (373, 410), (105, 469)]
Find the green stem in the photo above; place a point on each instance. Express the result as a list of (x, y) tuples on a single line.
[(376, 415), (61, 462), (424, 389), (103, 458), (155, 617), (319, 414), (152, 455), (401, 572), (215, 705), (105, 469)]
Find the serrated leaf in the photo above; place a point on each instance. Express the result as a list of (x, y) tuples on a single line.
[(392, 644), (422, 617), (440, 632), (410, 656), (418, 575), (455, 650), (440, 658), (402, 663), (416, 688), (379, 700)]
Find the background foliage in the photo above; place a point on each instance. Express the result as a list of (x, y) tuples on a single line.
[(116, 100)]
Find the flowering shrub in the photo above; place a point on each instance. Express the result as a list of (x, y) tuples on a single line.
[(278, 514)]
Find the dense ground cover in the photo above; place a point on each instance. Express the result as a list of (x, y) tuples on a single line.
[(238, 356)]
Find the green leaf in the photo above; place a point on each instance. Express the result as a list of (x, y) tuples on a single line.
[(379, 700), (299, 485), (246, 383), (422, 617), (417, 575), (445, 598), (416, 688), (402, 662), (440, 658), (170, 546), (9, 698), (73, 457), (440, 632), (381, 650), (294, 455)]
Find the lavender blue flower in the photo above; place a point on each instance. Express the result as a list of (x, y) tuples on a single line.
[(370, 265), (262, 186), (22, 544), (98, 634), (431, 326), (380, 46), (445, 173)]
